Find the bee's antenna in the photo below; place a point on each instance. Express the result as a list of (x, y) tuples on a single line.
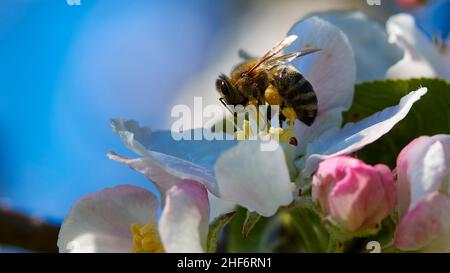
[(222, 100)]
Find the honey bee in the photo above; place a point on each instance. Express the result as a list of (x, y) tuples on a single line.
[(267, 79)]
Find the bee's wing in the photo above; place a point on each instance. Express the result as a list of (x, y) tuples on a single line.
[(289, 57), (274, 51)]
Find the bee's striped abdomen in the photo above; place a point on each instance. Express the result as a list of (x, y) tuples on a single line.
[(297, 93)]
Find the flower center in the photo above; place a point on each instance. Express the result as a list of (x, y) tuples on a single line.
[(282, 135), (246, 132), (146, 238)]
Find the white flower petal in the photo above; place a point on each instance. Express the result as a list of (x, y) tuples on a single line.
[(423, 166), (141, 139), (255, 179), (324, 121), (101, 222), (373, 53), (331, 71), (183, 226), (430, 174), (354, 136), (421, 57), (166, 171), (167, 161), (426, 227), (411, 67), (219, 207), (200, 152), (132, 135)]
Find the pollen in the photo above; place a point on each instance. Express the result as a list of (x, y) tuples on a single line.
[(145, 239), (253, 101), (283, 135), (289, 113), (271, 95)]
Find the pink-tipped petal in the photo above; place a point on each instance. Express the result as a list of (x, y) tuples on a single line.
[(100, 222), (183, 225), (422, 167), (426, 227)]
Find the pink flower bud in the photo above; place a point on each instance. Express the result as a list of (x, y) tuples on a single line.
[(411, 4), (423, 168), (353, 195)]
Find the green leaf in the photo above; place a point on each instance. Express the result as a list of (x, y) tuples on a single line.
[(249, 223), (214, 230), (255, 241), (429, 116)]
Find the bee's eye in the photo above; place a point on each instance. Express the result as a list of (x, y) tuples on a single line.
[(223, 87)]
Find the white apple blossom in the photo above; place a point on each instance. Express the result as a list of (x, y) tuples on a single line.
[(259, 180), (123, 219), (422, 58), (374, 54), (423, 168)]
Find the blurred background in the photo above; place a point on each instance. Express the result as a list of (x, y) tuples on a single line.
[(66, 69)]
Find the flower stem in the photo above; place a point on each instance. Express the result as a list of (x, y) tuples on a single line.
[(308, 227)]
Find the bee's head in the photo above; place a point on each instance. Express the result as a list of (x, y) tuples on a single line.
[(227, 91)]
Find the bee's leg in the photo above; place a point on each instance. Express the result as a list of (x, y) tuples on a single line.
[(290, 114), (271, 95), (253, 101), (290, 118), (298, 94), (293, 140), (269, 114), (281, 119)]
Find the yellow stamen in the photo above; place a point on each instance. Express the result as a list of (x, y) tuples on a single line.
[(146, 238), (135, 228), (283, 135), (246, 131)]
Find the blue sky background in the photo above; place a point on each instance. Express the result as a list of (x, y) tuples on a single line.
[(66, 69)]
